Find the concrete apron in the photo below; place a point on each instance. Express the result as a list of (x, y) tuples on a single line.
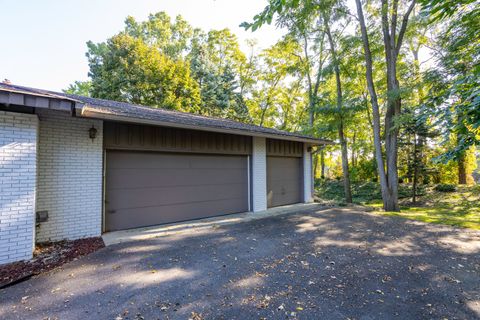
[(195, 225)]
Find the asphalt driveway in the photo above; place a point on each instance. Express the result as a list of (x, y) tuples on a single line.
[(311, 264)]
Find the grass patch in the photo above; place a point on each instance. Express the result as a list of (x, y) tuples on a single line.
[(460, 208)]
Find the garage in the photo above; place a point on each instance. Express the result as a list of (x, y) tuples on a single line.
[(90, 166), (144, 187), (284, 173)]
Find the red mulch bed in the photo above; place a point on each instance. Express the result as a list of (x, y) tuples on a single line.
[(48, 256)]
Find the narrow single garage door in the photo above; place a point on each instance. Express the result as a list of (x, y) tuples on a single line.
[(284, 181), (144, 189)]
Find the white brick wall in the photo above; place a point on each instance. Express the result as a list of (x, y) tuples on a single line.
[(307, 175), (18, 164), (259, 174), (69, 176)]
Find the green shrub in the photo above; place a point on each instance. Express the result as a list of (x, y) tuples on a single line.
[(445, 187), (365, 192)]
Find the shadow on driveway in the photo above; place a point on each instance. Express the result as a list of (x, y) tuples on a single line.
[(313, 264)]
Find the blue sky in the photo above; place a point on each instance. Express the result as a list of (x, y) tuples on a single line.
[(44, 40)]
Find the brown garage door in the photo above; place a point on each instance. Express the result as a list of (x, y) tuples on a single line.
[(145, 189), (284, 181)]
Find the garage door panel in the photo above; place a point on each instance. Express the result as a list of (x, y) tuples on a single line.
[(170, 195), (140, 217), (287, 188), (280, 198), (131, 160), (136, 178), (145, 189), (284, 180), (220, 163)]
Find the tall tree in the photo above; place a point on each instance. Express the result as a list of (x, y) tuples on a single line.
[(127, 69), (164, 62), (387, 171), (309, 23), (275, 66), (327, 13), (217, 64)]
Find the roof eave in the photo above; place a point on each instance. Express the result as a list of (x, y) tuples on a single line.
[(90, 112), (35, 100)]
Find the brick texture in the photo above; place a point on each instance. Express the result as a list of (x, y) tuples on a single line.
[(69, 177), (18, 165), (259, 174)]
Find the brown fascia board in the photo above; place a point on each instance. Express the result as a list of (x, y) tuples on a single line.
[(35, 100), (89, 111)]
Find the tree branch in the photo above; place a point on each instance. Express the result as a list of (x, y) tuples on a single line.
[(393, 29), (403, 28), (387, 39)]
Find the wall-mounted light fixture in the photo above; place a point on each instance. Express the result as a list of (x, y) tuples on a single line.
[(92, 133)]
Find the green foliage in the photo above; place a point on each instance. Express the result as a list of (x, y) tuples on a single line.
[(277, 100), (457, 208), (362, 192), (455, 82), (127, 69), (364, 170), (216, 62), (81, 88), (165, 62), (172, 38), (445, 187)]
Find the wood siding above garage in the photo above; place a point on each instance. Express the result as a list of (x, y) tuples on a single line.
[(284, 148), (125, 136)]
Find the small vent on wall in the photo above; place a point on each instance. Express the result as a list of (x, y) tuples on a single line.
[(41, 216)]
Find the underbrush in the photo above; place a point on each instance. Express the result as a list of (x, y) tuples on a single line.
[(362, 193), (458, 206)]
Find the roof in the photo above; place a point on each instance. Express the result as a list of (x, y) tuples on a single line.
[(126, 112)]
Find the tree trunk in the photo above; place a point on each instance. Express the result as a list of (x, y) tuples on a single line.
[(346, 174), (392, 44), (415, 169), (387, 199), (409, 163), (354, 160), (322, 163), (393, 105), (341, 134), (462, 169)]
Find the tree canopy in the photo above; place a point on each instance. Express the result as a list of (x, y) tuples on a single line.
[(394, 82)]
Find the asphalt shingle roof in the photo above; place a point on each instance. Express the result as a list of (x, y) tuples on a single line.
[(107, 108)]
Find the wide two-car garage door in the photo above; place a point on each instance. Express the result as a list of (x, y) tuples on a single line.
[(149, 188)]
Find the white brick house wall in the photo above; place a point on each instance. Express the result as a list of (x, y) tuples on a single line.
[(259, 174), (69, 176), (307, 175), (18, 164)]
